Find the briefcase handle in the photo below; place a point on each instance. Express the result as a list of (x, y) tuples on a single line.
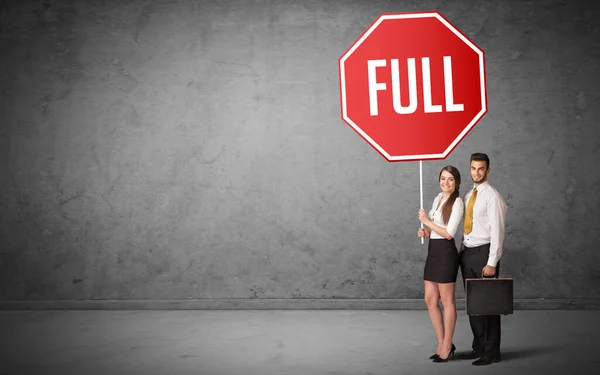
[(486, 277)]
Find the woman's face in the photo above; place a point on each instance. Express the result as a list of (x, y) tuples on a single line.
[(447, 182)]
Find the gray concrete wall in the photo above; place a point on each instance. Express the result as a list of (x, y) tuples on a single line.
[(177, 150)]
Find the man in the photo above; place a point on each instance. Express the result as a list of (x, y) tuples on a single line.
[(481, 249)]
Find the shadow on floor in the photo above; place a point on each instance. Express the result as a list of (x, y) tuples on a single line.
[(516, 353), (521, 353)]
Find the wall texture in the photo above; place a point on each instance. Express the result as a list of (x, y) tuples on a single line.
[(187, 150)]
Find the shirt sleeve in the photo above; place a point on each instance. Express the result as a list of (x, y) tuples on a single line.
[(456, 216), (497, 215)]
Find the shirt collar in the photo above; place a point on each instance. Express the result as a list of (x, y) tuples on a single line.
[(482, 186)]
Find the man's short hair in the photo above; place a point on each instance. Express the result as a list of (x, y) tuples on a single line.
[(479, 156)]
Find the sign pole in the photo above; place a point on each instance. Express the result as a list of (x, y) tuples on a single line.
[(421, 179)]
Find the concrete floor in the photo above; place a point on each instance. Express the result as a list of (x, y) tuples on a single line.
[(282, 342)]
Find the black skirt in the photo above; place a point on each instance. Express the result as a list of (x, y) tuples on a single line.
[(442, 261)]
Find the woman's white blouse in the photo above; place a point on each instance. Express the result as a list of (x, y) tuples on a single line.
[(456, 216)]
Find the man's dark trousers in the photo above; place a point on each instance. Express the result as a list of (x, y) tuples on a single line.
[(485, 328)]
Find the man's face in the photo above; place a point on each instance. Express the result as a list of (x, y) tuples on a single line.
[(479, 171)]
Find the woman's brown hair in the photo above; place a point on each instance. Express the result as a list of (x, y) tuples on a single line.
[(447, 210)]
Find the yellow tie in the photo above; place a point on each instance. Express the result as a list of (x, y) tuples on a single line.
[(469, 213)]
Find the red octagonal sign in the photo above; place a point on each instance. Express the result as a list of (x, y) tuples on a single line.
[(413, 86)]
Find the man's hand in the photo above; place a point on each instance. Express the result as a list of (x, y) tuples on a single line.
[(489, 271)]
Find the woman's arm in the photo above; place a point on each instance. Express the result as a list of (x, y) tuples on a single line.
[(434, 227), (455, 218), (426, 232), (458, 210)]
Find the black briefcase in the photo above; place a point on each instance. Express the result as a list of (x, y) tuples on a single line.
[(489, 296)]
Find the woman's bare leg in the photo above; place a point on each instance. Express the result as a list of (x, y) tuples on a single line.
[(432, 297), (449, 303)]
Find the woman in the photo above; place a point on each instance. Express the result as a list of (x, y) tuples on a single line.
[(441, 266)]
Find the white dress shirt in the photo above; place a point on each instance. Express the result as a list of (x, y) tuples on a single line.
[(435, 215), (489, 217)]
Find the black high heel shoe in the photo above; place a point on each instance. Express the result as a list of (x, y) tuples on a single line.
[(450, 355), (434, 356)]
